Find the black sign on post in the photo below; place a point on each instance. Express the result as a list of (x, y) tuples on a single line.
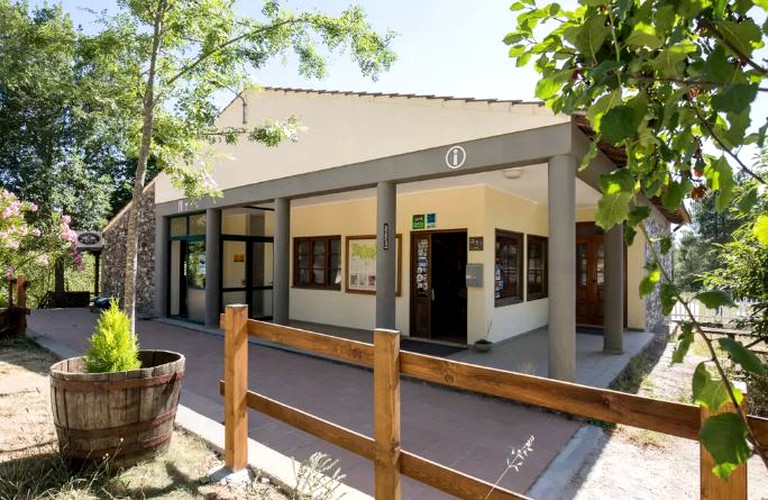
[(385, 236)]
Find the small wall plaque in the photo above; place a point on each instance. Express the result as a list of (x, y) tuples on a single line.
[(475, 243), (418, 221)]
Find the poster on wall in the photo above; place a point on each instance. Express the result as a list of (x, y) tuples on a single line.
[(361, 264)]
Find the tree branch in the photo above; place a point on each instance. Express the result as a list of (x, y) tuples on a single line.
[(728, 386), (726, 148), (205, 55)]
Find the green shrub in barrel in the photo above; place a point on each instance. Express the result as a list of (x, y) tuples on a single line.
[(113, 347)]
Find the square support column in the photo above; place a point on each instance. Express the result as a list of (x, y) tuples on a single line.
[(162, 262), (282, 261), (562, 267), (212, 267), (613, 312), (386, 251)]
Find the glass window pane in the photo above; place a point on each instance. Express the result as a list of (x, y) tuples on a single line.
[(196, 264), (600, 265), (233, 268), (179, 226), (261, 267), (581, 264), (261, 304), (197, 224)]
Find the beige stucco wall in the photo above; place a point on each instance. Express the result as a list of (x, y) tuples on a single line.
[(478, 209), (372, 127)]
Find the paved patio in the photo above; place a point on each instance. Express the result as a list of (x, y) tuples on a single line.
[(470, 433)]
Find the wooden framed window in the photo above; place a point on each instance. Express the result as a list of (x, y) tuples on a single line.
[(536, 281), (317, 262), (508, 272)]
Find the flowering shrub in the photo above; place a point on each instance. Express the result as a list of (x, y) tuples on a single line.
[(23, 243)]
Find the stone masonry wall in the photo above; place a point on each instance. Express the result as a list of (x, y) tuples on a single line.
[(113, 256), (655, 321)]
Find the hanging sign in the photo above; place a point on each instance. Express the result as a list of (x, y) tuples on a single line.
[(89, 240)]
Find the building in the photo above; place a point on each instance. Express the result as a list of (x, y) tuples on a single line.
[(448, 219)]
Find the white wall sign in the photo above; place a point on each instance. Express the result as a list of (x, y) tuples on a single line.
[(455, 157)]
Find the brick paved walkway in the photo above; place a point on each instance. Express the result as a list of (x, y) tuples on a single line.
[(470, 433)]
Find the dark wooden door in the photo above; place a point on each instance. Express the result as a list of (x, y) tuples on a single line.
[(590, 279), (438, 285)]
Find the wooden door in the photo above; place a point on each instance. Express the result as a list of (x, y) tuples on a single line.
[(590, 279), (421, 285), (438, 285)]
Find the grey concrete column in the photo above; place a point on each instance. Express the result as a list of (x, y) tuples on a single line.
[(162, 273), (212, 267), (386, 251), (613, 312), (282, 256), (562, 267)]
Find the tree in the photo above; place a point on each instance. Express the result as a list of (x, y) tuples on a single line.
[(697, 249), (170, 57), (56, 149), (672, 83)]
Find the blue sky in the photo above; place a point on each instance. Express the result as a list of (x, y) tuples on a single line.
[(444, 47)]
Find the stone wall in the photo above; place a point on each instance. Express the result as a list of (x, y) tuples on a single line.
[(655, 321), (113, 255)]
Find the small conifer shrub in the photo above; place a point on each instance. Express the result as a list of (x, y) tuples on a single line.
[(113, 347)]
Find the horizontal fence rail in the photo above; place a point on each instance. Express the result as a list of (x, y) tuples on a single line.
[(677, 419)]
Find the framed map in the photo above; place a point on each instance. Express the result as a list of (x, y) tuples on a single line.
[(361, 264)]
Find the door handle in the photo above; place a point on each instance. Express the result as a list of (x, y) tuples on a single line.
[(433, 294)]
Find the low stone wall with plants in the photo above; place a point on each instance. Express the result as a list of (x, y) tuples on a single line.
[(113, 255)]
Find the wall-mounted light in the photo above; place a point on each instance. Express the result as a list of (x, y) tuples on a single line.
[(512, 173)]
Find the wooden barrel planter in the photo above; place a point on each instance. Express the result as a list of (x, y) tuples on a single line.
[(126, 415)]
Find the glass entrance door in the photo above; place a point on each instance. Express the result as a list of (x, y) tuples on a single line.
[(247, 274)]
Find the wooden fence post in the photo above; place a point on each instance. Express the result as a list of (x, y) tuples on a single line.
[(236, 387), (712, 486), (386, 413)]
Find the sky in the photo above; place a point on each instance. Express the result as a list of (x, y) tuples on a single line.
[(443, 47)]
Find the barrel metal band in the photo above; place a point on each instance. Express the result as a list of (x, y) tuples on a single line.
[(114, 385), (119, 430)]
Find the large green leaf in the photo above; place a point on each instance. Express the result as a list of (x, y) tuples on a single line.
[(712, 299), (734, 98), (709, 391), (592, 35), (619, 123), (720, 178), (725, 437), (612, 209), (760, 230), (743, 356), (549, 85), (640, 39), (684, 341), (743, 36), (668, 298), (670, 60), (649, 281), (674, 194), (619, 180), (607, 102)]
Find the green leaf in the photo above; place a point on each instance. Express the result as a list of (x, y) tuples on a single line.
[(589, 156), (619, 180), (712, 299), (665, 245), (748, 200), (640, 39), (649, 281), (670, 60), (619, 123), (743, 36), (735, 98), (720, 178), (517, 6), (668, 298), (638, 214), (760, 230), (717, 68), (592, 35), (743, 356), (676, 191), (607, 102), (684, 341), (550, 85), (725, 438), (612, 209), (709, 391)]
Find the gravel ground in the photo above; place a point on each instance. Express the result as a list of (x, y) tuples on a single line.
[(632, 463)]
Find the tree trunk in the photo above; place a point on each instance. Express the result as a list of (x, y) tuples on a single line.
[(58, 279), (132, 241)]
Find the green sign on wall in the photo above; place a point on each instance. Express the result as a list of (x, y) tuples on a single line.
[(418, 221)]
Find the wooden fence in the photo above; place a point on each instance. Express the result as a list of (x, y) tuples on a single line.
[(388, 363)]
